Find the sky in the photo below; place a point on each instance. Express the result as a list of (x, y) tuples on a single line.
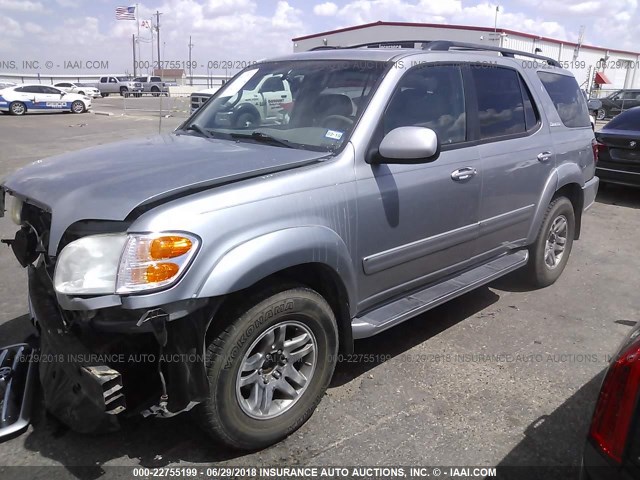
[(83, 32)]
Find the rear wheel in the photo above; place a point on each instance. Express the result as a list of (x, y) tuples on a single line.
[(269, 368), (18, 108), (550, 252)]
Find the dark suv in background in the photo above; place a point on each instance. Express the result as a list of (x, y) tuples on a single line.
[(617, 102)]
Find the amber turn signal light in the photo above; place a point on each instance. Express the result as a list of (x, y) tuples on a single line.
[(160, 272), (169, 247)]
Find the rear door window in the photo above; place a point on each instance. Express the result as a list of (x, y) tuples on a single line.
[(505, 106), (566, 97)]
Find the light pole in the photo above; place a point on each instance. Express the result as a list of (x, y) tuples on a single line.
[(190, 69)]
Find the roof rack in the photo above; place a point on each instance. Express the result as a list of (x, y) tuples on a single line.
[(446, 45), (443, 46)]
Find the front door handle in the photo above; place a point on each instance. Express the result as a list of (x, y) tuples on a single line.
[(544, 156), (463, 174)]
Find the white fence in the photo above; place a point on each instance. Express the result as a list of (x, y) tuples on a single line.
[(199, 81)]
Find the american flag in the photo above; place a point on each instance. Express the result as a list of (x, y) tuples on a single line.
[(125, 13)]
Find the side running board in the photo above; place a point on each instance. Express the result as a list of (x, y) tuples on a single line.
[(391, 314)]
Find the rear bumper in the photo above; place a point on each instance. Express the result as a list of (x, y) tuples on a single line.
[(596, 467), (621, 177), (589, 192)]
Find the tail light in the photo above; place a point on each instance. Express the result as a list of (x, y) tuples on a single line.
[(616, 403), (596, 147)]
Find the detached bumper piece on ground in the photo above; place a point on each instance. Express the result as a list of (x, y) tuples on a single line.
[(17, 384)]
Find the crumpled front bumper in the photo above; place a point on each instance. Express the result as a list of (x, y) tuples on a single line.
[(89, 387)]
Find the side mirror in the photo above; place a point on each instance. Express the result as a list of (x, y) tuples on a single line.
[(62, 94), (408, 145)]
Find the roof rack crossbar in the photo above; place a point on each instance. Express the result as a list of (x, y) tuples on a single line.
[(445, 45)]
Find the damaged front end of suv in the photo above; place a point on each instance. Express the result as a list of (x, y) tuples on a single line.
[(96, 344), (114, 286)]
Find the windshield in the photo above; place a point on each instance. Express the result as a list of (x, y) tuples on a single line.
[(123, 79), (300, 104)]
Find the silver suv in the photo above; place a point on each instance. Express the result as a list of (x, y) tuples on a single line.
[(224, 268)]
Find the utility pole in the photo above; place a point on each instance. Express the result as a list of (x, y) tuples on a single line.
[(138, 37), (190, 70), (158, 39), (495, 22)]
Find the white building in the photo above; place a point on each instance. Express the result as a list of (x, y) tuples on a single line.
[(593, 67)]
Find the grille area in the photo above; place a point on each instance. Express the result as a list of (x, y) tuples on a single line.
[(199, 99), (17, 376)]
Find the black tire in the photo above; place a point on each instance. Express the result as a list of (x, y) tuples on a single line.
[(80, 92), (222, 415), (103, 95), (540, 273), (78, 107), (247, 119), (601, 114), (17, 108), (124, 92), (155, 91)]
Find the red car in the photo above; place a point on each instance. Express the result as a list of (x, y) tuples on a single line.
[(612, 450)]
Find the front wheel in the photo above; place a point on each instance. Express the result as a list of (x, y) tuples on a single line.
[(78, 107), (601, 114), (269, 368), (550, 252), (247, 120), (103, 95)]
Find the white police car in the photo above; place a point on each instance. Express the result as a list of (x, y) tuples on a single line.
[(22, 99)]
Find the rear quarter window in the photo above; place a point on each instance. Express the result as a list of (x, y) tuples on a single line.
[(567, 99)]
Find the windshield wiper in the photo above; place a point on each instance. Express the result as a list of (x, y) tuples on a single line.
[(264, 138), (197, 128)]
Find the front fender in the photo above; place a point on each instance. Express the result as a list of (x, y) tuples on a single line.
[(255, 259)]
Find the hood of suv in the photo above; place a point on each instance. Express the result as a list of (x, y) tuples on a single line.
[(107, 182)]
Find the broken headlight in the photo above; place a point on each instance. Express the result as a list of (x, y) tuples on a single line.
[(121, 263)]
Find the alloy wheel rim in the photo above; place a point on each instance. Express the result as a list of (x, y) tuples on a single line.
[(556, 242), (276, 370), (77, 107), (18, 109)]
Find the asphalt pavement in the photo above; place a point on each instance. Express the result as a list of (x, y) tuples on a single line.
[(501, 376)]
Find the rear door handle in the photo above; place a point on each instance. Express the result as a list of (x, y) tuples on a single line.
[(463, 174), (544, 156)]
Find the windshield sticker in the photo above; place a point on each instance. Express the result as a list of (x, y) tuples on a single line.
[(239, 82), (333, 134)]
